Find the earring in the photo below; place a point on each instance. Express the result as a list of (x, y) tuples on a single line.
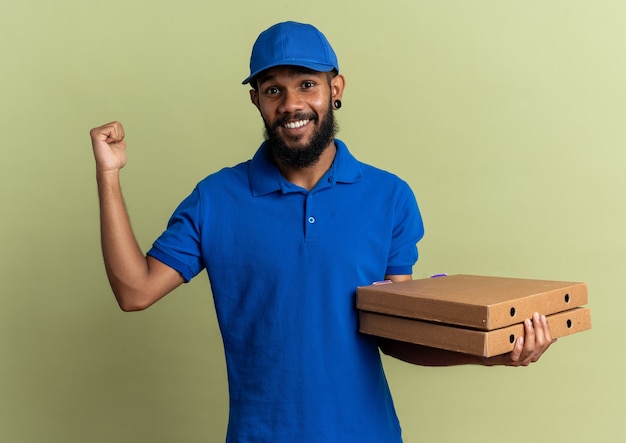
[(337, 104)]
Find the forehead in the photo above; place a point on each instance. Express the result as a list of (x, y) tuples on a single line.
[(287, 72)]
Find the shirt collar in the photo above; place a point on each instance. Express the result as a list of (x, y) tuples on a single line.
[(265, 177)]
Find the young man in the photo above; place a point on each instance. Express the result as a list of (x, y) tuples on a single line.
[(286, 238)]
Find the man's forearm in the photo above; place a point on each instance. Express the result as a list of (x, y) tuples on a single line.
[(125, 263), (427, 356)]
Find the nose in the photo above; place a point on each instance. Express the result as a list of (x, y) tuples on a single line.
[(291, 102)]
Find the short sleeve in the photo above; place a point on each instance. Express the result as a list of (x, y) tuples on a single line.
[(408, 230), (179, 246)]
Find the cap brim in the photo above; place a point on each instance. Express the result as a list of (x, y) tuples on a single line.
[(319, 67)]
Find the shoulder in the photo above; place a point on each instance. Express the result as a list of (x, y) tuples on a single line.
[(350, 169), (373, 172), (384, 180), (226, 177)]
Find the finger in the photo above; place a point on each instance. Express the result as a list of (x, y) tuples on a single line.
[(116, 133), (529, 343), (539, 324), (517, 351), (546, 338), (110, 133), (541, 342), (546, 329)]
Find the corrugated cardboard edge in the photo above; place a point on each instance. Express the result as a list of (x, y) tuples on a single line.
[(464, 340), (550, 302)]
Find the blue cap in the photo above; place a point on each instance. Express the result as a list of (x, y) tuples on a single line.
[(292, 44)]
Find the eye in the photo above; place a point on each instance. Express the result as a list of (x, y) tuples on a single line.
[(272, 90), (308, 84)]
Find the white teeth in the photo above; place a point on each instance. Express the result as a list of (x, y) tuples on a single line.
[(298, 124)]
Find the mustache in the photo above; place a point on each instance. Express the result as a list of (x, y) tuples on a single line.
[(297, 116)]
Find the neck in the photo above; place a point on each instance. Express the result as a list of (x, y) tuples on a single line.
[(308, 177)]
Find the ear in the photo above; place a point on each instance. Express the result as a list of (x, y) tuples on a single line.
[(254, 98), (337, 85)]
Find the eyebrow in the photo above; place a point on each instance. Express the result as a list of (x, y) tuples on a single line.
[(297, 71)]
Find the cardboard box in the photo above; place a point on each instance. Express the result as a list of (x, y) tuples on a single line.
[(479, 302), (471, 314), (466, 340)]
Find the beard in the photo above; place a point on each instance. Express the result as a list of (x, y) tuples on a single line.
[(308, 154)]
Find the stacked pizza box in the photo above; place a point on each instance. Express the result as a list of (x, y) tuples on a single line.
[(472, 314)]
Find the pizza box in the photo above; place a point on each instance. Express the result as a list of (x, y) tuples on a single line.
[(479, 302), (466, 340)]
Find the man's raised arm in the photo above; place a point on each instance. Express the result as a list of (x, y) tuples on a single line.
[(136, 280)]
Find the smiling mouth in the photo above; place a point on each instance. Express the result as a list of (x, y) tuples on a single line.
[(296, 124)]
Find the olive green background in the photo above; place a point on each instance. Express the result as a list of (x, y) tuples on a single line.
[(507, 118)]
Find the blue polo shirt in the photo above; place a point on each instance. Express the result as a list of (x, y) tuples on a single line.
[(284, 264)]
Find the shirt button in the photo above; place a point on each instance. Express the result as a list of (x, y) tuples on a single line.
[(311, 220)]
